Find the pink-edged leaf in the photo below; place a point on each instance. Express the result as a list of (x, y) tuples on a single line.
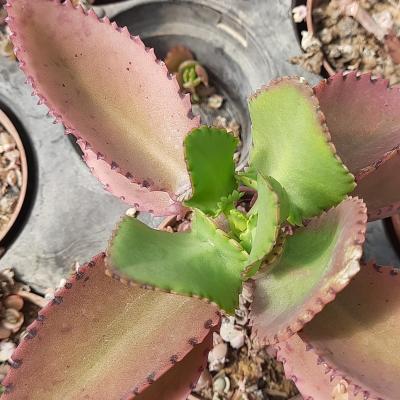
[(313, 379), (355, 339), (101, 339), (317, 262), (107, 89), (179, 381), (381, 188), (363, 116), (156, 202)]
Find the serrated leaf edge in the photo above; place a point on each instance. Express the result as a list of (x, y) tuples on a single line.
[(320, 360), (58, 118), (247, 270), (329, 292), (203, 129), (359, 76), (321, 117), (34, 329), (112, 272)]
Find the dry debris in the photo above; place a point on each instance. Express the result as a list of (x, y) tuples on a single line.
[(238, 369), (10, 177), (346, 44), (299, 13), (18, 308)]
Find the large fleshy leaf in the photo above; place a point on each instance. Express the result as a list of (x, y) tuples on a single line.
[(156, 202), (100, 339), (203, 262), (356, 337), (312, 378), (179, 381), (292, 144), (266, 229), (380, 189), (363, 116), (209, 156), (317, 262), (106, 88)]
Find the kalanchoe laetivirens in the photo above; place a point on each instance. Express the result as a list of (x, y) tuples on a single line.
[(146, 334)]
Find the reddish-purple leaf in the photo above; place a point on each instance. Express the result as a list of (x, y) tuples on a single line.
[(101, 339), (355, 338), (179, 381), (381, 188), (107, 89), (363, 116), (305, 368)]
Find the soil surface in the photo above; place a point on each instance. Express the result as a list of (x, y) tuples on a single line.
[(346, 44), (18, 309), (10, 177)]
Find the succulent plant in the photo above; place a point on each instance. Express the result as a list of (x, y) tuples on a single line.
[(298, 240)]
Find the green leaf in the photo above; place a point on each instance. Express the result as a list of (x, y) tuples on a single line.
[(265, 232), (209, 156), (317, 261), (284, 202), (248, 178), (229, 202), (203, 262), (237, 222), (246, 237), (291, 144)]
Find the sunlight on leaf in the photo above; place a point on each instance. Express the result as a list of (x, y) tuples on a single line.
[(204, 262), (209, 156), (291, 144)]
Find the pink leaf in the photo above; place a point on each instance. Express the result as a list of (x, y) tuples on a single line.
[(363, 116), (381, 187), (355, 338), (179, 381), (304, 367), (100, 339), (316, 263), (107, 89), (157, 202)]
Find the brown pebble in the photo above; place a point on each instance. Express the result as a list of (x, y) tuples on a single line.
[(4, 333), (14, 301)]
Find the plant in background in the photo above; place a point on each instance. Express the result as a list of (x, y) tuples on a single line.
[(190, 74), (298, 242)]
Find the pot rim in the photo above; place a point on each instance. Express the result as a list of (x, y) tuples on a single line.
[(10, 128)]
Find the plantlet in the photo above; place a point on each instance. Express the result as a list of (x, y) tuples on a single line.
[(146, 334)]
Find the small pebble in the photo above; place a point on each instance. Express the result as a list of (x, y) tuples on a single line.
[(14, 301), (299, 13), (6, 350), (215, 101)]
